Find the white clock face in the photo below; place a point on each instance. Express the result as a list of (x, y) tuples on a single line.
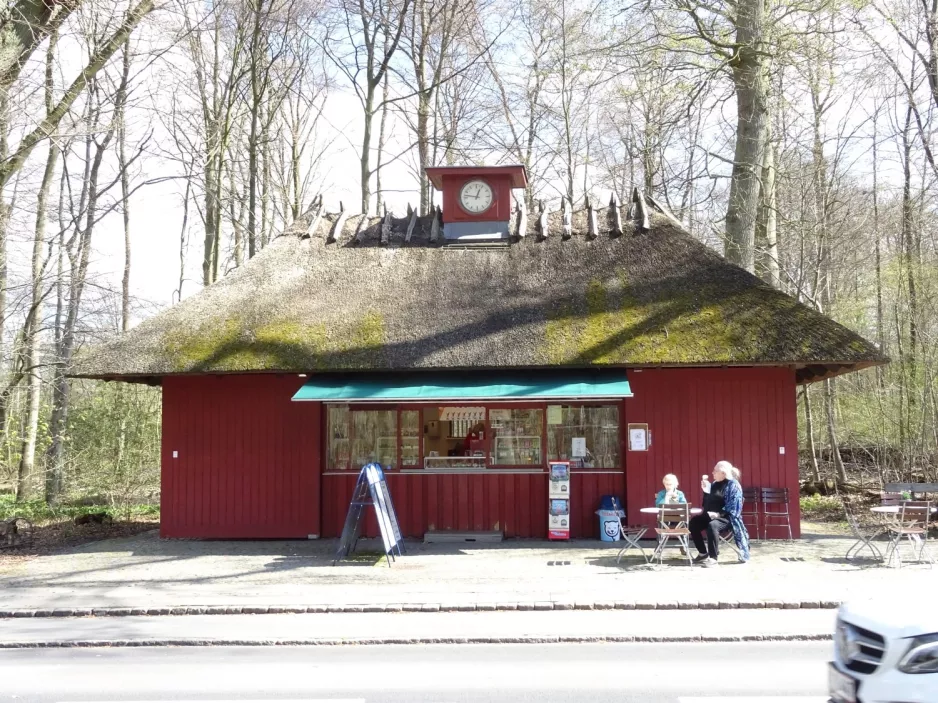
[(476, 197)]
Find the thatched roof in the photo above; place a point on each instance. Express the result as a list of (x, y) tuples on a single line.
[(377, 299)]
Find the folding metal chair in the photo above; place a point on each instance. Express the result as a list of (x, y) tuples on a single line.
[(727, 539), (913, 526), (751, 509), (864, 540), (672, 524), (631, 534), (778, 515)]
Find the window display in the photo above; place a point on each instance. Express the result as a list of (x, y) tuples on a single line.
[(358, 437), (410, 437), (598, 425), (337, 455), (374, 438), (516, 436)]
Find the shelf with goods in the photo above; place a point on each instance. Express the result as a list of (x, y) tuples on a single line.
[(516, 450), (454, 462), (410, 437), (386, 451)]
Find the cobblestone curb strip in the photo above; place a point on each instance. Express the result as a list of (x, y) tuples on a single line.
[(195, 642), (417, 607)]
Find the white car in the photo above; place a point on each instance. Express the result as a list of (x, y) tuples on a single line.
[(886, 651)]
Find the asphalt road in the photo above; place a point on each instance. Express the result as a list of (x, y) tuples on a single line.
[(774, 672)]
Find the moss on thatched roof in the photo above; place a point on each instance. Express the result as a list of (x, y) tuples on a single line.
[(368, 301)]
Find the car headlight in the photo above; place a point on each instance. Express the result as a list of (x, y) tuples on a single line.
[(922, 657)]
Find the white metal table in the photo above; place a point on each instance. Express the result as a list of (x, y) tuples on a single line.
[(894, 542)]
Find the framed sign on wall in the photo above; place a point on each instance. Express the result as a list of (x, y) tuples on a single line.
[(639, 437)]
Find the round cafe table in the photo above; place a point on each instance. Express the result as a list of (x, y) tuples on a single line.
[(655, 511), (882, 509)]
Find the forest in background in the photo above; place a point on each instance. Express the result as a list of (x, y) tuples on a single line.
[(798, 138)]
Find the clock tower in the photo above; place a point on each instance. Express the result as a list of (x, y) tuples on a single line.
[(476, 201)]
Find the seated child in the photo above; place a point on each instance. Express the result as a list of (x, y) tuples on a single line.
[(670, 493)]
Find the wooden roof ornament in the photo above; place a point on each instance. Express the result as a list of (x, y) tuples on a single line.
[(360, 226), (641, 211), (615, 215), (521, 218), (336, 230), (664, 210), (411, 223), (303, 305), (436, 225), (592, 228), (317, 209), (543, 222), (386, 227)]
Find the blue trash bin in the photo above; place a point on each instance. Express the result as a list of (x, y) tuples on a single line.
[(610, 510)]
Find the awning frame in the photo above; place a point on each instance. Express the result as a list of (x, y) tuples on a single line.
[(467, 387)]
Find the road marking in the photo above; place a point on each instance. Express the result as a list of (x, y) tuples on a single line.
[(754, 699)]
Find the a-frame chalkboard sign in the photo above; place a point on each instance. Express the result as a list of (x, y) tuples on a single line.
[(371, 489)]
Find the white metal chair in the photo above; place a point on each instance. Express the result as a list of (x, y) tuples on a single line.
[(864, 539), (631, 534), (912, 524), (727, 539), (672, 524)]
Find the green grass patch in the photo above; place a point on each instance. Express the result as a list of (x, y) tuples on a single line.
[(39, 511), (825, 508)]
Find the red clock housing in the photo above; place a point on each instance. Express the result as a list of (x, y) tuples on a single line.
[(501, 179)]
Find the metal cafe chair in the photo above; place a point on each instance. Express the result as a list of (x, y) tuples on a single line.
[(775, 510), (864, 539), (631, 534), (672, 524), (727, 539), (751, 509), (912, 525)]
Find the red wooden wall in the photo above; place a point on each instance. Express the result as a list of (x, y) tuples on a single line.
[(513, 503), (699, 416), (248, 458)]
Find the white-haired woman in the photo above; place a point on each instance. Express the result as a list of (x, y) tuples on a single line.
[(670, 492), (722, 510)]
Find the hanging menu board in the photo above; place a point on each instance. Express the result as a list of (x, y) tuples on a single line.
[(371, 489)]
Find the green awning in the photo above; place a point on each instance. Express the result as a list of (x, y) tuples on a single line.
[(554, 385)]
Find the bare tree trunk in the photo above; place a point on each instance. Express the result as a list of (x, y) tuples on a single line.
[(182, 235), (33, 324), (99, 58), (832, 431), (750, 69), (365, 162), (770, 217), (4, 220), (877, 236), (910, 261), (120, 102), (382, 136), (809, 432)]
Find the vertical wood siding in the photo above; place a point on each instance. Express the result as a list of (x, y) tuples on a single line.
[(248, 458), (514, 503), (699, 416)]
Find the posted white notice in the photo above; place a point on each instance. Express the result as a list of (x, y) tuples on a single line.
[(579, 447), (637, 439)]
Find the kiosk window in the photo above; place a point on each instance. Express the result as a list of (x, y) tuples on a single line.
[(516, 436), (597, 424), (358, 437)]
